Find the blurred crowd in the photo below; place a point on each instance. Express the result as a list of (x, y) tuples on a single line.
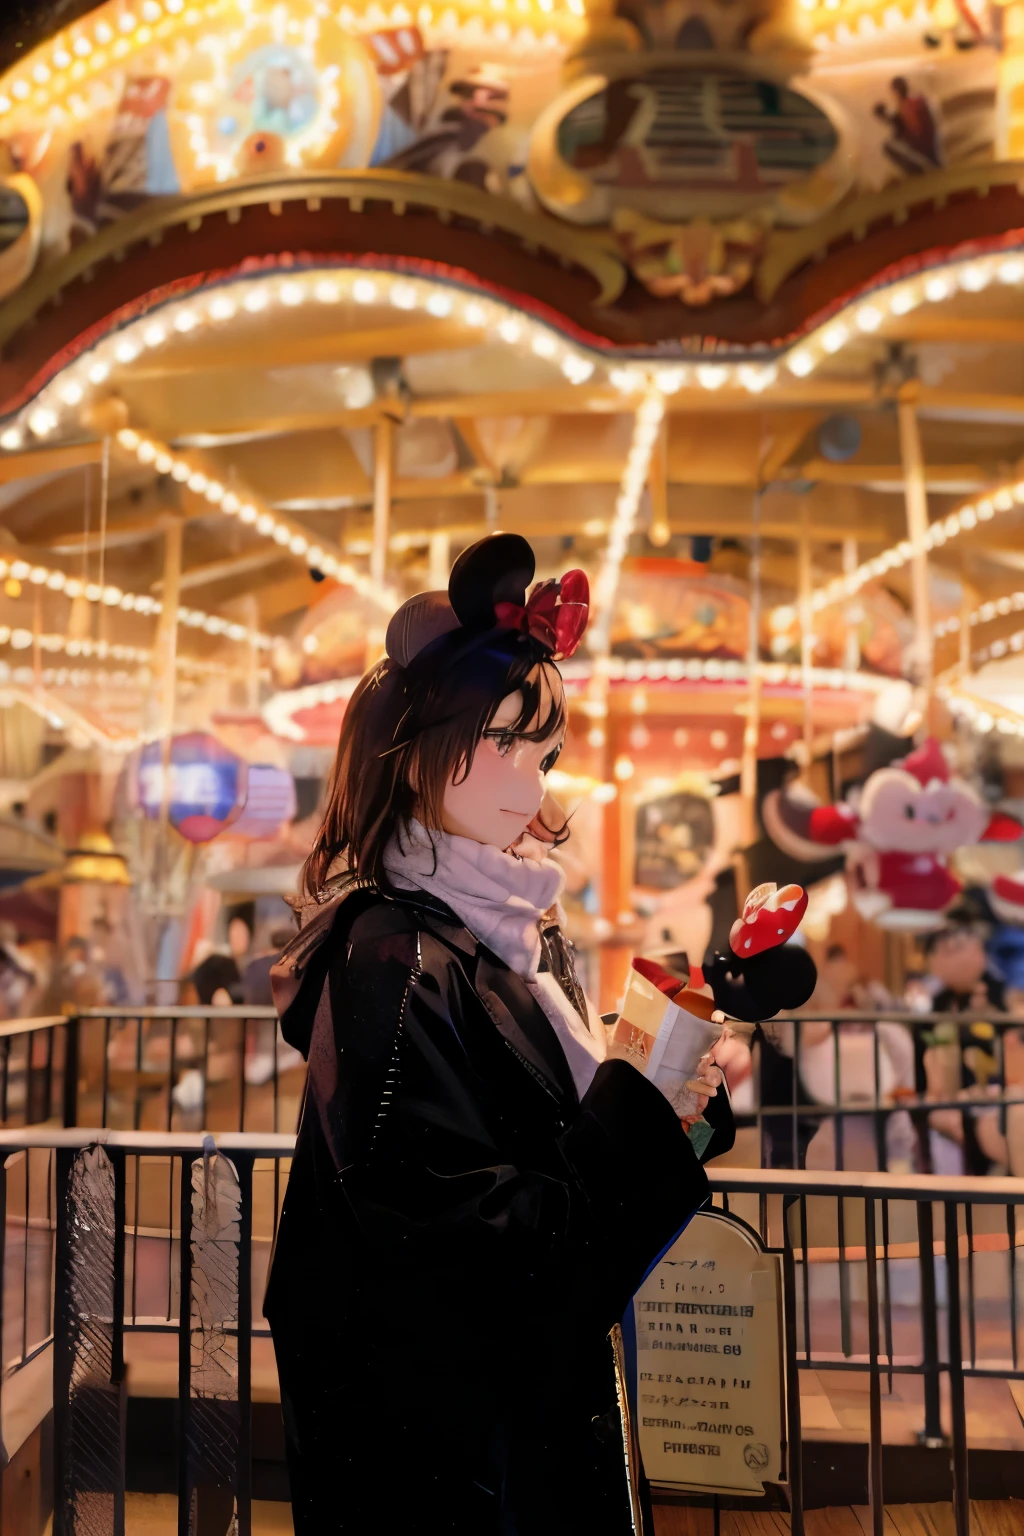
[(959, 1066), (953, 1089)]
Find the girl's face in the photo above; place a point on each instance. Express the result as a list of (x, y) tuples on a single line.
[(503, 790)]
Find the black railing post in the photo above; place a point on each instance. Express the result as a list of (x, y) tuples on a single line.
[(63, 1347), (244, 1166), (793, 1425), (958, 1413), (72, 1046), (184, 1346), (3, 1260), (117, 1369), (875, 1493), (931, 1434)]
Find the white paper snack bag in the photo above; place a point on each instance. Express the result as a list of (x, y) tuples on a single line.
[(666, 1041)]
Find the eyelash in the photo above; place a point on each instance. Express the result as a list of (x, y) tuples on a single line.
[(506, 740), (551, 759), (503, 740)]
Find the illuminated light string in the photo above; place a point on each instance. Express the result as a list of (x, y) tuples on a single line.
[(62, 397), (846, 21), (21, 639), (998, 608), (966, 517), (74, 59), (279, 711), (713, 669), (260, 519), (981, 715), (129, 602), (1009, 645), (177, 319), (646, 426), (173, 320)]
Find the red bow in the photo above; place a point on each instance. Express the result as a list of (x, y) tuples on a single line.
[(555, 614)]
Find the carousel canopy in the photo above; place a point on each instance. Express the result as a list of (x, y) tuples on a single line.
[(301, 299)]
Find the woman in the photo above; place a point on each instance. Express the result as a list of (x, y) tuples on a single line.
[(479, 1184)]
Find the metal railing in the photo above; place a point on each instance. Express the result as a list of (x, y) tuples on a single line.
[(227, 1069), (875, 1086), (151, 1068), (885, 1277)]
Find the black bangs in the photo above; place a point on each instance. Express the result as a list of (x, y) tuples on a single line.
[(543, 712)]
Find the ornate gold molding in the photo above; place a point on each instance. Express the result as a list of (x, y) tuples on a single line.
[(789, 249), (399, 190)]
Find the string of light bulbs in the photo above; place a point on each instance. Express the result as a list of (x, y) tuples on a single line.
[(982, 715), (646, 426), (21, 639), (255, 514), (998, 608), (58, 79), (846, 21), (171, 321), (130, 602), (713, 669), (57, 406), (982, 510)]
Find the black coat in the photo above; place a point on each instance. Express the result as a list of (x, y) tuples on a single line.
[(459, 1235)]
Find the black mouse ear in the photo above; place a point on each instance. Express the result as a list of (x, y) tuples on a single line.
[(776, 981), (497, 569)]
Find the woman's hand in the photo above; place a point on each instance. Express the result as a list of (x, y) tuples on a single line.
[(705, 1084)]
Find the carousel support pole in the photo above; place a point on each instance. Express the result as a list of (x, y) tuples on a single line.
[(37, 631), (806, 611), (752, 729), (382, 475), (166, 657), (381, 498), (166, 648), (439, 561), (916, 498), (851, 647), (252, 679), (966, 601), (660, 531)]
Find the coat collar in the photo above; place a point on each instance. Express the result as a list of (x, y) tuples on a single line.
[(511, 1007)]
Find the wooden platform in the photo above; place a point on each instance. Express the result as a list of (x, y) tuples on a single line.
[(150, 1514), (988, 1518)]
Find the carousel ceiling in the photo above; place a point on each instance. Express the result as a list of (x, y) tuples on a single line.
[(318, 295)]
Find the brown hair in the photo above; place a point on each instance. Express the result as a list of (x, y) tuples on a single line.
[(409, 731)]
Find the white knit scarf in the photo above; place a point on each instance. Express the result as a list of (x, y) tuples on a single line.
[(501, 899)]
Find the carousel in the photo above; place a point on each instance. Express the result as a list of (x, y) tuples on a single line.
[(297, 300)]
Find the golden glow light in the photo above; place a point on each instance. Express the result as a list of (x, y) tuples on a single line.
[(51, 78)]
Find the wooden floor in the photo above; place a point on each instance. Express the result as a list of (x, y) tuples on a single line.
[(150, 1514), (988, 1518)]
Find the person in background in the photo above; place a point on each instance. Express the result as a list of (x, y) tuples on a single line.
[(954, 1061), (264, 1044), (19, 987), (867, 1051), (841, 981), (215, 978), (74, 982), (241, 924), (114, 990), (217, 974)]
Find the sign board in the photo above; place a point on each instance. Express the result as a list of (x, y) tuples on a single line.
[(711, 1362)]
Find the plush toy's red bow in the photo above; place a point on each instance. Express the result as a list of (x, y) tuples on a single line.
[(555, 614)]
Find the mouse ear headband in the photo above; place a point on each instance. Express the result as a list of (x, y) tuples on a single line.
[(487, 592)]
